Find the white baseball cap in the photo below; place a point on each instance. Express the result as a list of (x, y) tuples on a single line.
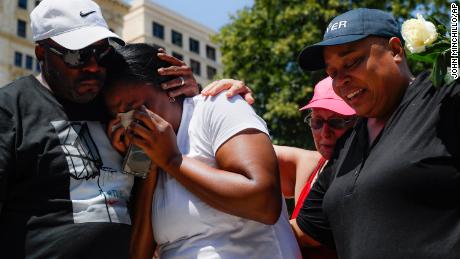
[(73, 24)]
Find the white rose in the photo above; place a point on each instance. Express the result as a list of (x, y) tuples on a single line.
[(418, 34)]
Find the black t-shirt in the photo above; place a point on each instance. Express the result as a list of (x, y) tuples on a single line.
[(399, 198), (62, 194)]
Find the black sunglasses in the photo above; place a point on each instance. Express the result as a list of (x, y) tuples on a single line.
[(334, 123), (81, 57)]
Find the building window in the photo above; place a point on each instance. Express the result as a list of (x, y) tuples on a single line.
[(18, 59), (196, 67), (22, 4), (177, 55), (210, 52), (29, 62), (211, 72), (158, 30), (176, 38), (21, 30), (194, 46), (37, 66)]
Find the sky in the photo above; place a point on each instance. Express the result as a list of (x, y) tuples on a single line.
[(211, 13)]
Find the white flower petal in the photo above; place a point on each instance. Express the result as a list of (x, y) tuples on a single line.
[(418, 34)]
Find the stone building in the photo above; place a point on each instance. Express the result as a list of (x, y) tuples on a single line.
[(139, 21)]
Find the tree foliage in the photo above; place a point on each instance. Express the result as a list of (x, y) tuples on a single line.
[(261, 45)]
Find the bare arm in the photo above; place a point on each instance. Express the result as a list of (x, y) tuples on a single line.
[(142, 245), (303, 239), (295, 165), (246, 185), (142, 241)]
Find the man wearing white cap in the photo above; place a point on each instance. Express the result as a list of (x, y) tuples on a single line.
[(62, 193), (69, 34)]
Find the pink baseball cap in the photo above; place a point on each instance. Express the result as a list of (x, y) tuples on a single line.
[(325, 97)]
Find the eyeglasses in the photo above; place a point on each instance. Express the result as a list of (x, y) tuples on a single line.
[(334, 123), (81, 57)]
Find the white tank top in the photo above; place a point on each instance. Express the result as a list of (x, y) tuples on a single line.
[(186, 227)]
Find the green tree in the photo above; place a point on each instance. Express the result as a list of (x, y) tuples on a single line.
[(261, 45)]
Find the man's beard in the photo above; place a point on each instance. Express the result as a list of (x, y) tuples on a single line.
[(69, 92), (83, 98)]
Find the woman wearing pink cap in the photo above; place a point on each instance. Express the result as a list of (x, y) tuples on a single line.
[(329, 118)]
